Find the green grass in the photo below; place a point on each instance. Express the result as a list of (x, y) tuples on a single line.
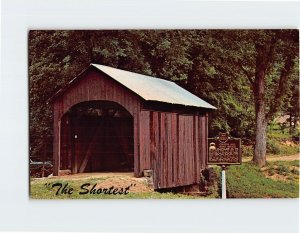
[(249, 181), (287, 169)]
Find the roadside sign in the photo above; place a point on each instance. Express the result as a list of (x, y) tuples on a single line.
[(224, 150)]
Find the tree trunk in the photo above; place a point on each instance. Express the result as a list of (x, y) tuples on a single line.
[(261, 138), (260, 114)]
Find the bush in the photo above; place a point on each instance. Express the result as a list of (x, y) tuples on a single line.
[(276, 147), (273, 147), (247, 151), (282, 170)]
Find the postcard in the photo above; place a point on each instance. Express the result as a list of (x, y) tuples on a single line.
[(163, 114)]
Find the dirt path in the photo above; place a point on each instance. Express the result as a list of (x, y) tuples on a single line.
[(106, 180), (277, 158), (93, 175)]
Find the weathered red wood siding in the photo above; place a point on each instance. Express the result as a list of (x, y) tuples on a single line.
[(177, 149), (95, 86)]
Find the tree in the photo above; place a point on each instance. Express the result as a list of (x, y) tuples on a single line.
[(267, 59), (276, 48)]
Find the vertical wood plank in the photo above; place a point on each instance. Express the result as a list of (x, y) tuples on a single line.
[(170, 145), (188, 149), (158, 145), (196, 149), (144, 140), (192, 151), (200, 141), (162, 150), (184, 158), (206, 140), (202, 145), (154, 138), (136, 144), (69, 152), (181, 150)]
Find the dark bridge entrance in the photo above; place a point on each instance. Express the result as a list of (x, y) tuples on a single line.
[(97, 136)]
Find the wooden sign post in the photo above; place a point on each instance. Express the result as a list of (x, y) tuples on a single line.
[(224, 150)]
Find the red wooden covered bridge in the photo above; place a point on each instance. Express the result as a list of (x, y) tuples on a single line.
[(108, 119)]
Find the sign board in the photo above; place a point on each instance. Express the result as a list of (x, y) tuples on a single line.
[(224, 150)]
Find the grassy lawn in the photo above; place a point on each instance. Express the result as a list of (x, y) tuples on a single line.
[(284, 170), (279, 179)]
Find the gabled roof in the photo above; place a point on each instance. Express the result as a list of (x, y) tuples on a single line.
[(151, 88)]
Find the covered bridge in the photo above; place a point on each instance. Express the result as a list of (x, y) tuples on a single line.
[(108, 119)]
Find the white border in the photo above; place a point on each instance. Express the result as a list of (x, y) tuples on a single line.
[(19, 213)]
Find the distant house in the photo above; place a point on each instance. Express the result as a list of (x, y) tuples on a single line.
[(108, 119)]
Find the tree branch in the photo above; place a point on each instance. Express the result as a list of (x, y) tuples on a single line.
[(246, 72), (248, 75)]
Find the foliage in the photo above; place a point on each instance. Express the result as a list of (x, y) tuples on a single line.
[(273, 147), (279, 140), (276, 148), (247, 151), (212, 64)]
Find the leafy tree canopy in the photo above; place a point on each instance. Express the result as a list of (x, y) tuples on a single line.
[(219, 66)]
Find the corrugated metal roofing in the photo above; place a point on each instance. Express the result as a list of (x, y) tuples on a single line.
[(154, 89)]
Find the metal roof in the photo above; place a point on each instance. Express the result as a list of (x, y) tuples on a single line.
[(154, 89)]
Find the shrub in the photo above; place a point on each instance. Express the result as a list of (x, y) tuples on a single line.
[(273, 147), (247, 151), (282, 170)]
